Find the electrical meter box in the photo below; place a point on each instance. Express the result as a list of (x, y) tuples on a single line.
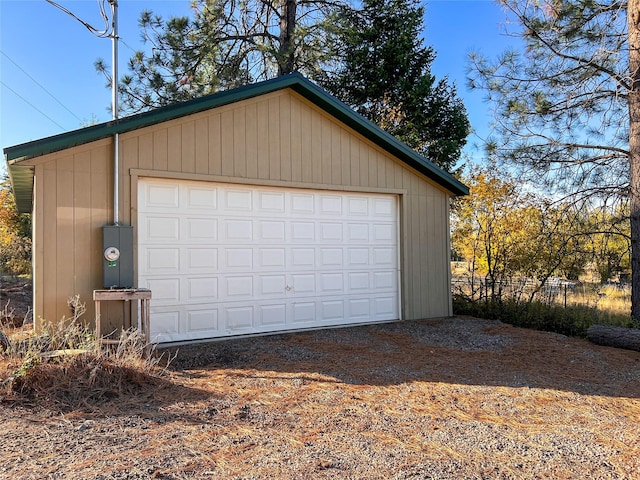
[(117, 258)]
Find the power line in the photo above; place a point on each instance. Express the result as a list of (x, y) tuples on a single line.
[(41, 86), (103, 13), (31, 104)]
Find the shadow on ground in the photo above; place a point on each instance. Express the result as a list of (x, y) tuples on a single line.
[(454, 350)]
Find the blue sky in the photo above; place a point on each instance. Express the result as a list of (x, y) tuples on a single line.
[(48, 84)]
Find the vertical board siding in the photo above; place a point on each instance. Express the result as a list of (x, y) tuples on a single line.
[(275, 137), (284, 122), (202, 146), (239, 145), (215, 145)]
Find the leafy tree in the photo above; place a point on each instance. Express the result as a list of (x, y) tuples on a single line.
[(568, 108), (384, 73), (506, 234), (610, 240), (15, 234), (224, 44)]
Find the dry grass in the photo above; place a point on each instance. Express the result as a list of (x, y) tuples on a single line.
[(455, 398)]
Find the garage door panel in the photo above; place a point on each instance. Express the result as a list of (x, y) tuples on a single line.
[(234, 259), (302, 204), (270, 231), (331, 232), (238, 259), (330, 205), (384, 207), (384, 257), (302, 258), (332, 310), (205, 320), (201, 198), (271, 258), (385, 281), (272, 315), (358, 206), (165, 322), (159, 260), (202, 259), (272, 202), (303, 231), (202, 289), (160, 229), (238, 200), (330, 283), (238, 318), (238, 288), (385, 306), (271, 285), (238, 230), (359, 308), (303, 312), (358, 233), (358, 257), (160, 197), (330, 258), (200, 230), (384, 233), (164, 290), (358, 282)]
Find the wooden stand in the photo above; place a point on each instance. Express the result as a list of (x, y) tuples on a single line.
[(141, 294)]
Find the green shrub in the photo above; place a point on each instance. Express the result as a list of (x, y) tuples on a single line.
[(572, 320)]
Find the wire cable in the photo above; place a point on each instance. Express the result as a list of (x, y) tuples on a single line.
[(41, 86), (108, 29), (31, 104)]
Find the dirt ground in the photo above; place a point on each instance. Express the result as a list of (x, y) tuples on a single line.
[(15, 300), (438, 399)]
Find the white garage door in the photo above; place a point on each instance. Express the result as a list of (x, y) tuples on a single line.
[(225, 260)]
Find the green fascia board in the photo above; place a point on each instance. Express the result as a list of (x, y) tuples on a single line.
[(22, 176)]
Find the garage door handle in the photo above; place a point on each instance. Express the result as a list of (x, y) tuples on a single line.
[(288, 288)]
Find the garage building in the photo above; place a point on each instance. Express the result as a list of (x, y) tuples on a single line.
[(268, 208)]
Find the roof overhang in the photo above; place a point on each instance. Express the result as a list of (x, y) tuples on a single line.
[(22, 175)]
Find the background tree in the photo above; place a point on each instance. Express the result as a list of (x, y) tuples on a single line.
[(508, 235), (384, 73), (568, 110), (224, 44), (15, 234)]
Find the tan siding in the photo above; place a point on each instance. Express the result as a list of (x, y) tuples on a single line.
[(174, 148), (316, 148), (202, 145), (295, 130), (49, 238), (65, 233), (38, 244), (239, 143), (226, 141), (306, 139), (145, 150), (284, 120), (215, 145), (189, 147), (252, 140), (275, 160), (263, 139), (82, 232), (279, 138), (160, 153)]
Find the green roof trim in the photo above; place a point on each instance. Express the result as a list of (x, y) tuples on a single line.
[(22, 175)]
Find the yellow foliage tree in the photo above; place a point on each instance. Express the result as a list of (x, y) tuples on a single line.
[(15, 235), (509, 237)]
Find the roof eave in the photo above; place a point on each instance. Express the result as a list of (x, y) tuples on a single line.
[(22, 175)]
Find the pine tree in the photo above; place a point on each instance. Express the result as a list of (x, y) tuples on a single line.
[(384, 73)]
